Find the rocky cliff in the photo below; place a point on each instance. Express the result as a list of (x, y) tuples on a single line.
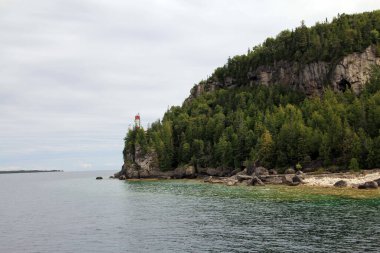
[(145, 165), (352, 71)]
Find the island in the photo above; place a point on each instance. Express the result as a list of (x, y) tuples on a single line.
[(27, 171)]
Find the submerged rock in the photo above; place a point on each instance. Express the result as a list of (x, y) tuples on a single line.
[(340, 183)]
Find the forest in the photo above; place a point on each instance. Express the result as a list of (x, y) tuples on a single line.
[(326, 41), (277, 126)]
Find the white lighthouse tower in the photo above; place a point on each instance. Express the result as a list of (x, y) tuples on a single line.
[(137, 121)]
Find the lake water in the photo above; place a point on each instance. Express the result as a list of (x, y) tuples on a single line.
[(73, 212)]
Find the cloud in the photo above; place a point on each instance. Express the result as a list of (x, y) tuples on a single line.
[(74, 73)]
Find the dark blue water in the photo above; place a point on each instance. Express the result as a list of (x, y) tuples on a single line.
[(73, 212)]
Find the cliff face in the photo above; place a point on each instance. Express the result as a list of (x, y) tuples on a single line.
[(352, 71), (140, 165)]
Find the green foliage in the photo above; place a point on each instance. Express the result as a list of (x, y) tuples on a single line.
[(354, 165), (322, 42)]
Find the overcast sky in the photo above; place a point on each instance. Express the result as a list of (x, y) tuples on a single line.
[(73, 73)]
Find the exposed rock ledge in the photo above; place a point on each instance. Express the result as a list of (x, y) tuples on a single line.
[(352, 71)]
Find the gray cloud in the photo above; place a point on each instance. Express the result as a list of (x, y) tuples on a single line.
[(74, 73)]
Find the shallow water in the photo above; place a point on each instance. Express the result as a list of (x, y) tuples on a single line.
[(73, 212)]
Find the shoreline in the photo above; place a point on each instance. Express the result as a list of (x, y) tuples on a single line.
[(327, 180)]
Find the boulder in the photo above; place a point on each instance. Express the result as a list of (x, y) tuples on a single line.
[(271, 179), (297, 179), (287, 179), (369, 185), (241, 178), (290, 171), (260, 171), (243, 172), (216, 180), (300, 174), (223, 172), (122, 177), (184, 172), (340, 183), (255, 181), (212, 172), (179, 173), (272, 172), (99, 178), (201, 171), (190, 172), (207, 179), (291, 180), (377, 181), (231, 181), (235, 171)]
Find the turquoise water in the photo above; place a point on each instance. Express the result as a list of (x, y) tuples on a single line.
[(73, 212)]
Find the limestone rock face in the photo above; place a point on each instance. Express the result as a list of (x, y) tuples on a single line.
[(140, 165), (355, 69), (146, 164), (352, 71)]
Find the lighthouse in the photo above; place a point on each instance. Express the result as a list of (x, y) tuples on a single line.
[(137, 121)]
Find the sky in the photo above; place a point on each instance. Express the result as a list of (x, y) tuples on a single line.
[(73, 73)]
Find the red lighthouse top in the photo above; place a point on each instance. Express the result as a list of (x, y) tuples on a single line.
[(137, 116)]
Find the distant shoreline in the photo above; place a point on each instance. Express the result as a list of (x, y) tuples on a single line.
[(27, 171)]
